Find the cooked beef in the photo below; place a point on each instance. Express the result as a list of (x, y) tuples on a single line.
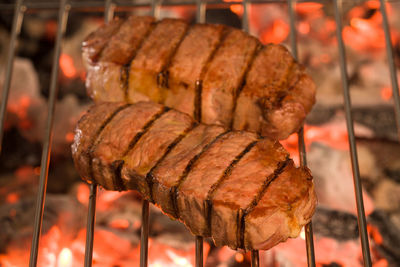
[(124, 43), (235, 186), (200, 43), (263, 104), (95, 42), (224, 77), (215, 73), (151, 59)]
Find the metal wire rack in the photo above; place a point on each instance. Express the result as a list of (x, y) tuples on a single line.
[(65, 6)]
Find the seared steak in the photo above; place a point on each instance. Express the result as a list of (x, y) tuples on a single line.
[(235, 186), (218, 75)]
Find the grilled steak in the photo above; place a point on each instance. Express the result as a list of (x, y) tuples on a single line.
[(235, 186), (216, 74)]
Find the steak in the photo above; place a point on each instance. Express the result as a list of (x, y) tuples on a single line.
[(237, 187), (214, 73)]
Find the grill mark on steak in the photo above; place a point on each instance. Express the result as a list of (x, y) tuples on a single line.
[(242, 213), (214, 187), (199, 82), (126, 68), (95, 140), (162, 77), (118, 182), (243, 83), (150, 178), (145, 129), (189, 166)]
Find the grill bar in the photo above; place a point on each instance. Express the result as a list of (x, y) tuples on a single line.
[(91, 217), (199, 251), (200, 18), (255, 258), (300, 135), (144, 234), (44, 166), (392, 67), (16, 29), (362, 225)]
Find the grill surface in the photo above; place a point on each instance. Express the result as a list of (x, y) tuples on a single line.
[(64, 6)]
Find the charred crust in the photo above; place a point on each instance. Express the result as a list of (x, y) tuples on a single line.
[(199, 82), (208, 206), (96, 140), (162, 79), (116, 167), (150, 178), (145, 128), (124, 79), (243, 83), (224, 176), (279, 169), (197, 100), (188, 168), (174, 200)]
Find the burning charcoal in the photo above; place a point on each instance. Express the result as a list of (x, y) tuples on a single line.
[(336, 224), (387, 238)]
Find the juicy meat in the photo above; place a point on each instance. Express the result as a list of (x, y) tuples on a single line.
[(199, 43), (235, 186), (225, 76), (151, 59), (218, 75), (270, 82)]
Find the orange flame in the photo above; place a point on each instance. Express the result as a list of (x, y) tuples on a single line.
[(65, 258)]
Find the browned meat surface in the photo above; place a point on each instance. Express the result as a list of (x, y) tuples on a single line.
[(237, 191), (200, 42), (214, 73), (207, 171), (180, 156), (225, 76), (271, 78), (287, 204), (234, 186), (113, 142), (151, 147), (87, 132), (95, 42), (152, 58), (125, 42)]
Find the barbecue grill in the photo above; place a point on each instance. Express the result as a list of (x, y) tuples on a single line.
[(65, 6)]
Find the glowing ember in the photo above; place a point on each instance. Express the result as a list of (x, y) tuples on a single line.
[(239, 257), (67, 66), (12, 198), (237, 9), (275, 33), (120, 224), (304, 8), (386, 93), (65, 258), (83, 193)]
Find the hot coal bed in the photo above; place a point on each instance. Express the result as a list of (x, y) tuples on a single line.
[(118, 215)]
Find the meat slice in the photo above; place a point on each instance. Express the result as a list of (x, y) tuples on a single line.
[(88, 130), (151, 147), (199, 43), (286, 205), (104, 82), (238, 190), (234, 186), (171, 169), (206, 171), (124, 43), (270, 79), (153, 56), (214, 73), (224, 77), (115, 139), (95, 42)]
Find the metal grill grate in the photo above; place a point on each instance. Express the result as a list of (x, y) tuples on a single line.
[(64, 6)]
